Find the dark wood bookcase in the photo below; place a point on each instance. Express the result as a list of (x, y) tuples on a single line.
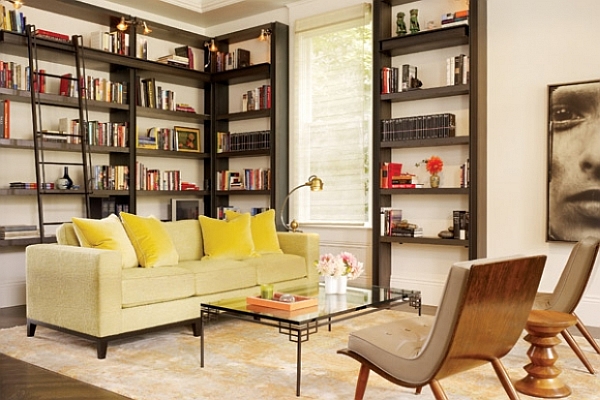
[(387, 46), (212, 85)]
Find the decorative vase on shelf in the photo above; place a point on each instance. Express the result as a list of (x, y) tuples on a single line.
[(65, 182), (434, 180)]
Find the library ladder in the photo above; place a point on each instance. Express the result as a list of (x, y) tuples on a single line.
[(52, 148)]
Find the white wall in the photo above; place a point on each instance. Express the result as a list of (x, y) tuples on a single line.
[(532, 44)]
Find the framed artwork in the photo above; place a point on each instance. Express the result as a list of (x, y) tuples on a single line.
[(573, 201), (188, 139), (185, 209)]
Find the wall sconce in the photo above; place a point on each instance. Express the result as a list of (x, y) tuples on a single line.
[(265, 34), (315, 184), (16, 3), (212, 47), (124, 24)]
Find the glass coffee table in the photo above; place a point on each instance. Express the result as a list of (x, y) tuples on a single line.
[(298, 325)]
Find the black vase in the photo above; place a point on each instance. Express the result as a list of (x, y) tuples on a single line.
[(69, 181)]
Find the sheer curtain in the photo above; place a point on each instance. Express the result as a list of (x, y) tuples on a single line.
[(331, 131)]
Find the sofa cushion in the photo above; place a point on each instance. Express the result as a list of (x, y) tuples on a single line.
[(107, 234), (187, 238), (223, 239), (154, 285), (264, 232), (65, 235), (221, 275), (273, 268), (150, 240)]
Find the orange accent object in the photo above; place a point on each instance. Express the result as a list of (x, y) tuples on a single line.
[(301, 302)]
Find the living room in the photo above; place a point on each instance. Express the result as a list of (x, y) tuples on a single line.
[(529, 46)]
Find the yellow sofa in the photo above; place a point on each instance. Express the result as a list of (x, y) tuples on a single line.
[(87, 292)]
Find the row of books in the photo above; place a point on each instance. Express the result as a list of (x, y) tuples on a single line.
[(418, 127), (113, 134), (110, 177), (393, 81), (249, 179), (18, 231), (239, 58), (158, 138), (458, 70), (100, 89), (14, 75), (155, 179), (458, 17), (12, 20), (240, 141), (155, 96), (392, 224), (5, 119), (257, 99), (391, 177), (460, 224), (465, 174), (182, 56), (253, 210), (114, 42)]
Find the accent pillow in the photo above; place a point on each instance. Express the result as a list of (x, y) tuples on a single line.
[(108, 234), (223, 239), (264, 232), (152, 243)]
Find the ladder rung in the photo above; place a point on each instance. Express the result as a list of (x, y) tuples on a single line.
[(61, 163)]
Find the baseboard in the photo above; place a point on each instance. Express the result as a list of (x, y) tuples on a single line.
[(12, 294)]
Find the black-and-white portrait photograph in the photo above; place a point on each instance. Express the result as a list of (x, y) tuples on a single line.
[(573, 161)]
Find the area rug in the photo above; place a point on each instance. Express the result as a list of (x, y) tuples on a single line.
[(250, 361)]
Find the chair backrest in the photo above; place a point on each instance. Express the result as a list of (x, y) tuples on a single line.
[(483, 312), (574, 278)]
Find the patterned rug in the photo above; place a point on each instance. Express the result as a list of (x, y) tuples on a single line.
[(250, 361)]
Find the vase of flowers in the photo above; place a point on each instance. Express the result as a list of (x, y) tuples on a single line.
[(434, 166), (337, 270)]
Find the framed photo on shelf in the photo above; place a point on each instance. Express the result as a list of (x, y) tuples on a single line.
[(188, 139), (573, 209), (184, 209)]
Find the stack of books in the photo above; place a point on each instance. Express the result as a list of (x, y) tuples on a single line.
[(18, 232)]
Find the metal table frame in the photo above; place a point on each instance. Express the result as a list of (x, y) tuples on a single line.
[(300, 330)]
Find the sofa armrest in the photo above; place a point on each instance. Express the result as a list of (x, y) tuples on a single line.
[(302, 244), (74, 288)]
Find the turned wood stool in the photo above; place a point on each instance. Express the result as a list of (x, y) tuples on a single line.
[(542, 376)]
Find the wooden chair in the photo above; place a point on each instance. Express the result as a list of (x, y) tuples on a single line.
[(568, 292), (481, 316)]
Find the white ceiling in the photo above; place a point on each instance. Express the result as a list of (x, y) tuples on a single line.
[(206, 13)]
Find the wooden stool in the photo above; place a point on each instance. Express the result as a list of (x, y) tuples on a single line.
[(542, 376)]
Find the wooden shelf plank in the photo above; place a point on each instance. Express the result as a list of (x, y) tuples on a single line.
[(427, 93), (427, 191), (425, 240), (449, 141), (425, 40)]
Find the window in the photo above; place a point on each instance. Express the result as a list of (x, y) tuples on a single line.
[(331, 134)]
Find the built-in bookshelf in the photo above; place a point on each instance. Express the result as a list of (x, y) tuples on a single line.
[(187, 97), (402, 133)]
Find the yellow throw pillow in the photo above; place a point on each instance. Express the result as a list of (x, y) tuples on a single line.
[(108, 234), (224, 239), (152, 243), (264, 232)]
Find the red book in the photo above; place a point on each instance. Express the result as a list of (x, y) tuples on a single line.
[(6, 116), (65, 84)]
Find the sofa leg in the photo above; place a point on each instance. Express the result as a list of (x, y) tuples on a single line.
[(196, 328), (31, 329), (101, 347)]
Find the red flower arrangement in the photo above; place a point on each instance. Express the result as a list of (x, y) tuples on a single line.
[(434, 165)]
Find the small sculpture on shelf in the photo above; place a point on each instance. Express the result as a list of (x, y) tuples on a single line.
[(414, 21), (400, 24)]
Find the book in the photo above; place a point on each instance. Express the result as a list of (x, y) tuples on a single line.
[(407, 232), (409, 77), (186, 51), (5, 119), (460, 224), (17, 228), (45, 34), (65, 84), (387, 171)]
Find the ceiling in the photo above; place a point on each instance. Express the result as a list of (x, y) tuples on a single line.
[(206, 13)]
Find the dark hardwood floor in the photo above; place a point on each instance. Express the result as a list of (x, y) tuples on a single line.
[(22, 381)]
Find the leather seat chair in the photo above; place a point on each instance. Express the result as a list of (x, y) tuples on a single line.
[(482, 314)]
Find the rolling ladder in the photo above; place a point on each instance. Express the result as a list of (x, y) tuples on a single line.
[(50, 145)]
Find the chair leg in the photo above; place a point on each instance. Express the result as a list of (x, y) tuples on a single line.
[(586, 334), (575, 347), (505, 379), (361, 384), (418, 389), (438, 391)]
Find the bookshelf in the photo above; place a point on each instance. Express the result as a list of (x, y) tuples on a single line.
[(208, 89), (429, 49)]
